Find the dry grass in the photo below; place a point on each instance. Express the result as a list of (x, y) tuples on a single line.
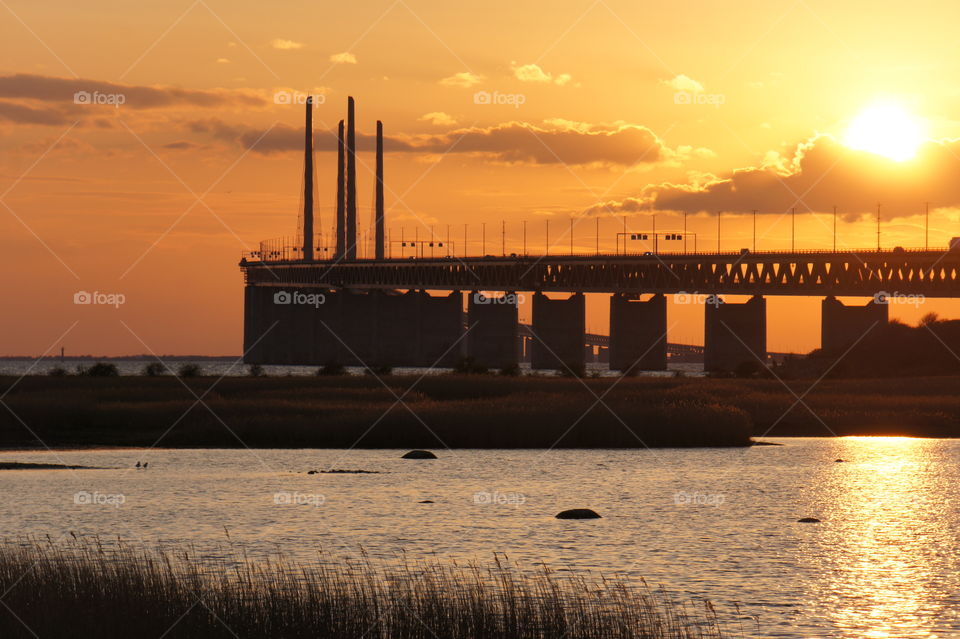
[(333, 412), (466, 411), (85, 590)]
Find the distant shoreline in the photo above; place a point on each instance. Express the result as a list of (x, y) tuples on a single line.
[(462, 411), (120, 358), (345, 411)]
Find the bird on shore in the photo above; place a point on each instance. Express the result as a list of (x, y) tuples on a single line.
[(138, 464), (145, 465)]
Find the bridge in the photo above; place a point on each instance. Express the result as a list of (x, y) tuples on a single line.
[(638, 286), (848, 273), (304, 308)]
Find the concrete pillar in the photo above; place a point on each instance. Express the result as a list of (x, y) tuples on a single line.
[(558, 327), (589, 356), (357, 328), (252, 325), (325, 326), (281, 316), (735, 334), (603, 355), (492, 325), (398, 328), (841, 325), (638, 333), (441, 327), (303, 310)]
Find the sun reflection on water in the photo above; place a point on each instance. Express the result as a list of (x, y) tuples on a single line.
[(886, 515)]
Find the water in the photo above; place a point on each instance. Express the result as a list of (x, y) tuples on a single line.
[(715, 523)]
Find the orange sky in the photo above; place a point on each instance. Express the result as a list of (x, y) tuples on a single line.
[(606, 109)]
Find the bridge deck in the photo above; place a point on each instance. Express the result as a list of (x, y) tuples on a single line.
[(931, 273)]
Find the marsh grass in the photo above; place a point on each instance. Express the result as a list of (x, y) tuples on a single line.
[(83, 589), (457, 411)]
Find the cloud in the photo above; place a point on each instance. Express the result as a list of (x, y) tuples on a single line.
[(553, 142), (558, 142), (62, 90), (21, 114), (182, 145), (821, 173), (533, 73), (464, 80), (438, 118), (286, 45), (343, 58), (684, 83)]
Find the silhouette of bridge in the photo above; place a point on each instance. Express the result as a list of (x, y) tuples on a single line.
[(851, 273), (303, 307)]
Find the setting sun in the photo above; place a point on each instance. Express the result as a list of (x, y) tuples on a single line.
[(885, 129)]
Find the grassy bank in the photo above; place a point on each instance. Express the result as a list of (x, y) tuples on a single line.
[(81, 591), (463, 411), (343, 411)]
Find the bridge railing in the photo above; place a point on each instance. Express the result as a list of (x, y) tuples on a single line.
[(270, 251)]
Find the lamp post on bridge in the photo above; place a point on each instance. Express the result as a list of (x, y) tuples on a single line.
[(878, 227), (834, 228), (718, 230), (793, 229), (598, 235), (684, 232)]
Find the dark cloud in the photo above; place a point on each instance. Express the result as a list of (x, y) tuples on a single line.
[(513, 142), (182, 145), (821, 174), (62, 90), (22, 114)]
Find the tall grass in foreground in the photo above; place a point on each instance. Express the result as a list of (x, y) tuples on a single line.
[(84, 590)]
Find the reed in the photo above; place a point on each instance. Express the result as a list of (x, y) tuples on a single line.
[(83, 589), (342, 411)]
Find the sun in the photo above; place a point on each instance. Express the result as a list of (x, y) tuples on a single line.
[(886, 129)]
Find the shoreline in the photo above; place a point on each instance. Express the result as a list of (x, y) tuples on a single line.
[(463, 411)]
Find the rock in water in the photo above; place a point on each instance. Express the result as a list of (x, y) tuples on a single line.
[(419, 454), (838, 460), (425, 501), (578, 513), (809, 520)]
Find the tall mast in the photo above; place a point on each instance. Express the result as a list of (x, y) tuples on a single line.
[(379, 196), (351, 242), (308, 183), (341, 213)]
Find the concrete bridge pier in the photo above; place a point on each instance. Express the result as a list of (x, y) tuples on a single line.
[(397, 317), (356, 330), (279, 320), (842, 325), (492, 325), (325, 326), (256, 321), (638, 333), (735, 334), (558, 327), (441, 329)]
